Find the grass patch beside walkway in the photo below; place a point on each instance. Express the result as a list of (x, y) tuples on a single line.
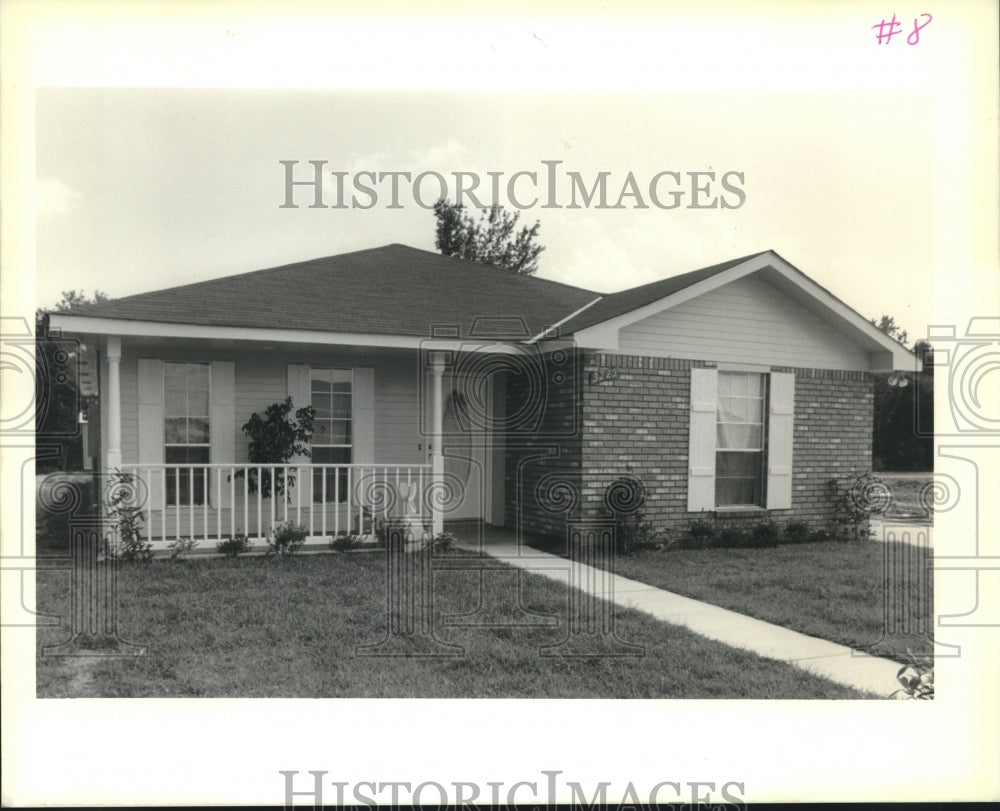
[(288, 627), (828, 590)]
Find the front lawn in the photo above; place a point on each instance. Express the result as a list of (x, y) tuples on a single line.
[(257, 627), (829, 590)]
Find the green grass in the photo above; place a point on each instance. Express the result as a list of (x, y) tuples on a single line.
[(829, 590), (255, 627)]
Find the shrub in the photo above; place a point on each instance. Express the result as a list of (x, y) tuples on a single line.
[(274, 439), (181, 548), (765, 535), (286, 538), (700, 535), (442, 542), (234, 545), (854, 505), (125, 541), (796, 532), (624, 500), (820, 536), (916, 678), (345, 542), (730, 538)]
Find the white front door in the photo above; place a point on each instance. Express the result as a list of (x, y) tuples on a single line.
[(466, 469)]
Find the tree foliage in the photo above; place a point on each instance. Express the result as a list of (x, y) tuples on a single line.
[(492, 239), (903, 436), (274, 439), (58, 398), (888, 325)]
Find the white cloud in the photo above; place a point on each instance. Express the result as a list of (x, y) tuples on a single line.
[(54, 197), (438, 155)]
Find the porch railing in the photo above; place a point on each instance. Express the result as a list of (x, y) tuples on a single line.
[(215, 501)]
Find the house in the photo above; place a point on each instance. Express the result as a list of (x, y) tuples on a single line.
[(448, 390)]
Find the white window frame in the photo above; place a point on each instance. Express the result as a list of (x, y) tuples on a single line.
[(702, 439), (762, 449), (176, 480), (338, 489)]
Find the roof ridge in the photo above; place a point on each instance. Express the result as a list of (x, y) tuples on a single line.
[(729, 263), (471, 263)]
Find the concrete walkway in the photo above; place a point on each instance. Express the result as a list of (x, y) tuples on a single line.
[(817, 656)]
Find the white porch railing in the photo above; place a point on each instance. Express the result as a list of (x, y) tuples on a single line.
[(209, 502)]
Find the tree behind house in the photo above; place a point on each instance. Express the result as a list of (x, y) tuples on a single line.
[(903, 436), (492, 239), (58, 396)]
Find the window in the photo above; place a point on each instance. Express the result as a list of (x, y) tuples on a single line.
[(186, 416), (740, 439), (332, 442)]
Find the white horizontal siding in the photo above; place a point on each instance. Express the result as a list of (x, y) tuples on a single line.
[(262, 379), (746, 321)]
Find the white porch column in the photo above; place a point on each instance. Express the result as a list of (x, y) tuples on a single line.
[(114, 405), (437, 438)]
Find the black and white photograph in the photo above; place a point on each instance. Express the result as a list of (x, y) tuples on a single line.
[(481, 408)]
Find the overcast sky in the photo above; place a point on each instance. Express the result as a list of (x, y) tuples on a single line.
[(140, 189)]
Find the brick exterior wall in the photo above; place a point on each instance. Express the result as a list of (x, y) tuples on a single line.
[(636, 420), (543, 458)]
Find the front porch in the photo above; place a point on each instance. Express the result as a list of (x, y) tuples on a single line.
[(212, 502)]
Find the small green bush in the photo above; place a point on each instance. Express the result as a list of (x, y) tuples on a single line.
[(345, 542), (855, 502), (181, 548), (286, 538), (700, 535), (442, 542), (234, 545), (765, 535), (820, 536), (125, 541), (731, 538), (795, 532), (916, 678)]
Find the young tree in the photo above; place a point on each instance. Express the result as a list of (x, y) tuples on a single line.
[(492, 238)]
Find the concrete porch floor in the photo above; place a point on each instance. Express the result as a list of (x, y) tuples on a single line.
[(838, 663)]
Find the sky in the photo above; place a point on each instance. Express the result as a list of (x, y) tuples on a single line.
[(140, 189)]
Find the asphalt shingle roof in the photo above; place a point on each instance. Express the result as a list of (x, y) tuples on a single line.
[(391, 290), (615, 304)]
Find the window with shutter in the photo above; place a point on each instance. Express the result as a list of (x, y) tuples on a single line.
[(740, 440)]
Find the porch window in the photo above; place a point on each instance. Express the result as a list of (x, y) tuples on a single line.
[(332, 442), (740, 439), (186, 430)]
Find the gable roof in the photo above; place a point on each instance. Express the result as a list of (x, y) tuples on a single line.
[(401, 294), (392, 290), (615, 304)]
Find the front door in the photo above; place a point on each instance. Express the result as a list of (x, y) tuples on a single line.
[(466, 469)]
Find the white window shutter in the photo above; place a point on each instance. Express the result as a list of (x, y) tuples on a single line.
[(151, 452), (363, 415), (781, 416), (701, 447), (222, 429)]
